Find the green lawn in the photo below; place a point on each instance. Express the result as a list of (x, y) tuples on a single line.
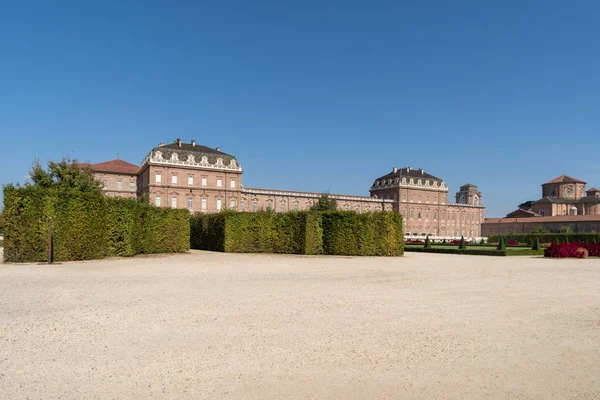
[(474, 250)]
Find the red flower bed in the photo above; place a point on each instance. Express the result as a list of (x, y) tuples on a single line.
[(570, 250), (415, 241), (512, 243), (457, 242)]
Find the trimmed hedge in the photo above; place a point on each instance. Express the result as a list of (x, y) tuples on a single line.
[(87, 226), (548, 237), (304, 232), (477, 252)]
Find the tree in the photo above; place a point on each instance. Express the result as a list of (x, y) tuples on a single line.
[(501, 244), (427, 242), (536, 244), (1, 222), (463, 244), (64, 175), (565, 229), (325, 203), (540, 229)]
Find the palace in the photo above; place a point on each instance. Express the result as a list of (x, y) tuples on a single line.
[(565, 202), (205, 179)]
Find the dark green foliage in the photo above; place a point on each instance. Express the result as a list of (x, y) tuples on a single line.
[(427, 242), (339, 232), (64, 175), (476, 252), (549, 237), (325, 203), (529, 241), (87, 225), (501, 244), (565, 229), (462, 245), (536, 244)]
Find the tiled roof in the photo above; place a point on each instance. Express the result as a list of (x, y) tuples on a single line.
[(410, 173), (564, 179), (116, 166), (593, 190), (184, 149), (555, 218), (560, 200)]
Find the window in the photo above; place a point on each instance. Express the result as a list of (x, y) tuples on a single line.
[(242, 205), (157, 201), (426, 214), (419, 215), (203, 181), (219, 204), (282, 207), (204, 204), (403, 196), (104, 183), (174, 179), (412, 197), (173, 202), (411, 213), (268, 206), (131, 185), (232, 204), (190, 180), (219, 182), (254, 206), (542, 212), (427, 199), (190, 203), (158, 178), (434, 215), (119, 184), (295, 207), (419, 198), (232, 183)]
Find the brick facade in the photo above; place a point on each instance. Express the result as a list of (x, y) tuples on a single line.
[(202, 179)]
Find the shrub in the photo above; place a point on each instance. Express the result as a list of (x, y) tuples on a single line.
[(462, 245), (501, 244), (581, 253), (536, 244), (338, 232), (572, 250), (427, 242), (87, 225)]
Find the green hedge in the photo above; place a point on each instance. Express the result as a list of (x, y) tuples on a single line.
[(305, 232), (87, 226), (476, 252), (548, 237)]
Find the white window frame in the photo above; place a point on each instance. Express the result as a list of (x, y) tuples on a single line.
[(174, 179), (158, 177), (232, 204), (219, 182), (219, 204), (204, 181), (119, 184), (190, 203), (232, 184), (131, 185), (204, 203), (105, 183), (173, 201), (190, 180), (157, 201)]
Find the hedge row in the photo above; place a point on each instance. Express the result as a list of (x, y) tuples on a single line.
[(305, 232), (548, 237), (477, 252), (87, 226)]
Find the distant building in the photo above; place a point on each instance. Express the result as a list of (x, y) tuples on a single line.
[(565, 202), (205, 179)]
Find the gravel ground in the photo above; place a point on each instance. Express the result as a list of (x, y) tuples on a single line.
[(210, 325)]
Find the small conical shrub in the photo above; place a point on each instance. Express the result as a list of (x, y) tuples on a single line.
[(536, 244), (462, 245), (427, 242), (444, 241), (529, 241), (501, 244)]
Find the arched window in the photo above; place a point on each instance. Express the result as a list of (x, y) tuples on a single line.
[(476, 200), (426, 214), (419, 214), (411, 214), (435, 215)]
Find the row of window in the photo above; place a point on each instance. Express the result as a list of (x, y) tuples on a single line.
[(219, 204), (420, 198), (451, 233), (119, 184), (190, 180), (469, 217)]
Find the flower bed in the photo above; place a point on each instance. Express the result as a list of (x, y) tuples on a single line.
[(414, 241), (572, 250), (512, 243)]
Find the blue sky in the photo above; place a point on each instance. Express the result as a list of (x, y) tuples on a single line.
[(311, 95)]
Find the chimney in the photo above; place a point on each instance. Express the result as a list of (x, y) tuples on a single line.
[(408, 169), (193, 143), (161, 144), (394, 170), (178, 141), (218, 149), (422, 172)]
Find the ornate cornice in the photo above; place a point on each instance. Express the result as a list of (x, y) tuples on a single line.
[(189, 160)]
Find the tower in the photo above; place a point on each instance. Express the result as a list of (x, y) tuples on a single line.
[(469, 194)]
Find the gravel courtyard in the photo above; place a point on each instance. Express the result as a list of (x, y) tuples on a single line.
[(210, 325)]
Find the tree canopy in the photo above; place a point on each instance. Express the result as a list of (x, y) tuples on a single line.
[(325, 203), (64, 175)]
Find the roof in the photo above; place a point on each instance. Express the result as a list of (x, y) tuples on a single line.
[(564, 179), (560, 200), (192, 148), (521, 213), (116, 166), (592, 190), (526, 205), (410, 173), (555, 218)]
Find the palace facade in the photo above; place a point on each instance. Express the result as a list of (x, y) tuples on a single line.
[(205, 179), (565, 202)]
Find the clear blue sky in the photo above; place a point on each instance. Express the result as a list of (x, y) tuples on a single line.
[(311, 95)]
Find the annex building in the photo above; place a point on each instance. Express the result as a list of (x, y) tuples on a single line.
[(565, 202), (205, 179)]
